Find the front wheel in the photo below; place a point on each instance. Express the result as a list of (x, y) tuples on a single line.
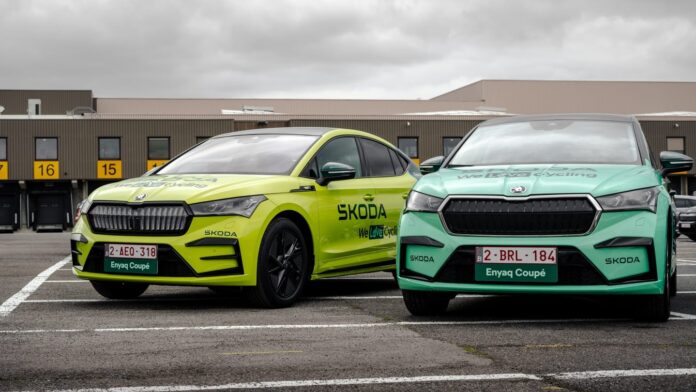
[(283, 264), (426, 303), (657, 308), (119, 290)]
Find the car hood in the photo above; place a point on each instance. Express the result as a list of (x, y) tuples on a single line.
[(193, 188), (597, 180)]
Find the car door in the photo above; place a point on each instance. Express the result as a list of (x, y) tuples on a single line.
[(388, 173), (341, 207)]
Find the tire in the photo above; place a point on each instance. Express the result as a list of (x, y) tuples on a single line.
[(283, 266), (673, 284), (656, 308), (119, 290), (426, 303)]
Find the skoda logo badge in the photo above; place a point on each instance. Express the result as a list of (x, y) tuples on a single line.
[(141, 196), (518, 189)]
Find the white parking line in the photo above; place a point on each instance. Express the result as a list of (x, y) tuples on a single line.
[(583, 375), (679, 317), (686, 275), (623, 373), (684, 316), (8, 306)]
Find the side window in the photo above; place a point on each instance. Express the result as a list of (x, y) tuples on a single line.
[(680, 203), (398, 162), (378, 159), (342, 150)]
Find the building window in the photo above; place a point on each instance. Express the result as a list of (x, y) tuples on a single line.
[(109, 148), (448, 144), (158, 148), (46, 148), (409, 146), (675, 144), (3, 148)]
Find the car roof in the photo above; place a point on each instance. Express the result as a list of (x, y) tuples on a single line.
[(685, 197), (309, 131), (567, 116)]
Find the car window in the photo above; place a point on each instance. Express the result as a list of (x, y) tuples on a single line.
[(549, 141), (243, 154), (379, 162), (681, 203), (342, 150), (399, 162)]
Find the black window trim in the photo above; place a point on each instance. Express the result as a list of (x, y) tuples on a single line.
[(396, 150), (57, 148), (99, 148)]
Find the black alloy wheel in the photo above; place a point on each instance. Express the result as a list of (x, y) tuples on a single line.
[(282, 266)]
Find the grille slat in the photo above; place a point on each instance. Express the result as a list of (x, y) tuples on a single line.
[(557, 216), (139, 219)]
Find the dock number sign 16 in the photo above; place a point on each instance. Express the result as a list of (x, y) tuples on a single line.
[(46, 170), (109, 169)]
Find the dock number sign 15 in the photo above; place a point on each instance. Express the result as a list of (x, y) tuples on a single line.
[(109, 169)]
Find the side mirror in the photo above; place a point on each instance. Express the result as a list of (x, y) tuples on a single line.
[(431, 165), (673, 162), (334, 171)]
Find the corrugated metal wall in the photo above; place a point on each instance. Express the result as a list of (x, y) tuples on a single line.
[(52, 101), (78, 138), (430, 133), (78, 142)]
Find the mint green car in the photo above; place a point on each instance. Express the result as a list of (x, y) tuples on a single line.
[(561, 204)]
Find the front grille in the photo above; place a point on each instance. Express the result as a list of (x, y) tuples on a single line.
[(534, 216), (573, 268), (139, 219)]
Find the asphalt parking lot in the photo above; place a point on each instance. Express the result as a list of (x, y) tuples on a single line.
[(57, 333)]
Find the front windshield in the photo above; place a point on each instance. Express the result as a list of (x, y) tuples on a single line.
[(244, 154), (549, 141)]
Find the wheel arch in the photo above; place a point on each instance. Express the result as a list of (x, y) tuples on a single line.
[(299, 220)]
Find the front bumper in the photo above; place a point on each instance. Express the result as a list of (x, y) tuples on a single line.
[(596, 263), (215, 251)]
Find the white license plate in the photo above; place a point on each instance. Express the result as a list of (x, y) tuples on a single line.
[(685, 225), (131, 251), (516, 255)]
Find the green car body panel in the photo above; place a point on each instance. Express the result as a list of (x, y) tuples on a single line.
[(629, 250), (339, 246)]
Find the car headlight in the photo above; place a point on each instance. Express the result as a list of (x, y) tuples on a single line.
[(243, 206), (421, 202), (82, 208), (640, 199)]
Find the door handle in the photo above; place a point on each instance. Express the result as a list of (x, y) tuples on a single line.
[(368, 197)]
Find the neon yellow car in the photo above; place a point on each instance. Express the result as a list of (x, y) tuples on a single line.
[(266, 210)]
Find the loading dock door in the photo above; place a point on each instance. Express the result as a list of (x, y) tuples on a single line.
[(9, 212), (50, 212)]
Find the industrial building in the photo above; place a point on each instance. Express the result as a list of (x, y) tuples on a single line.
[(57, 146)]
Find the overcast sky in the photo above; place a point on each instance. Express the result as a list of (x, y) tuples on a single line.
[(336, 49)]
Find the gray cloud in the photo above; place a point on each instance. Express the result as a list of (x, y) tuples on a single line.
[(336, 49)]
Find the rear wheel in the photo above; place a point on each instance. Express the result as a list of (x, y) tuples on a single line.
[(119, 290), (283, 264), (426, 303), (673, 284)]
